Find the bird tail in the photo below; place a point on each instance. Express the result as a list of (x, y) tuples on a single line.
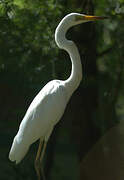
[(18, 150)]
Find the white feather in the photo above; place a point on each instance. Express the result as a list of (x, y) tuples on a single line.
[(48, 106), (39, 119)]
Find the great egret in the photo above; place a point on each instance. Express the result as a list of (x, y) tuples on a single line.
[(48, 106)]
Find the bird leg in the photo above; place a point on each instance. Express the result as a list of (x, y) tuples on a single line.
[(38, 160), (41, 159), (43, 151)]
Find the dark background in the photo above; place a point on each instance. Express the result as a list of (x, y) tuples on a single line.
[(29, 58)]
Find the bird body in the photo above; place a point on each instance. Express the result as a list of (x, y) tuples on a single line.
[(48, 106), (38, 116)]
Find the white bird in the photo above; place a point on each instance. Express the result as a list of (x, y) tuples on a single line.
[(48, 106)]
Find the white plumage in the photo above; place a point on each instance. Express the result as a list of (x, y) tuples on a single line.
[(48, 106), (39, 119)]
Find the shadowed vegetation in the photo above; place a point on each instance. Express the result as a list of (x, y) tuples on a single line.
[(29, 58)]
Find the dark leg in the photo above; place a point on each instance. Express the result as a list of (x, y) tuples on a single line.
[(38, 160), (43, 151)]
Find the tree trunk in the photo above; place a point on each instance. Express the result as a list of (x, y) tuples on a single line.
[(85, 98)]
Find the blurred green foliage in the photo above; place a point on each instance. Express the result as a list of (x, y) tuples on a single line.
[(29, 58)]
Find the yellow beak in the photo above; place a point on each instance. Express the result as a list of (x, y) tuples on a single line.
[(94, 18)]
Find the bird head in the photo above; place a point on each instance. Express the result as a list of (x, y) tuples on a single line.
[(67, 22), (76, 18)]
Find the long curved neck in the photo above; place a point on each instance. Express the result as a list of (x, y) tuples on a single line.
[(76, 73), (73, 81)]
